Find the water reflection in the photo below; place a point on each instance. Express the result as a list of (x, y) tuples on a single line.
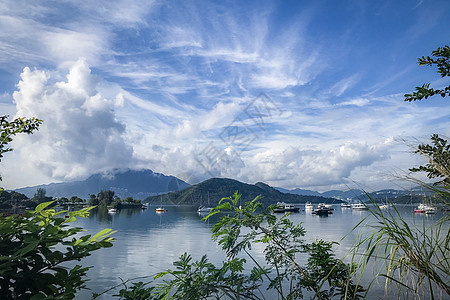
[(148, 242)]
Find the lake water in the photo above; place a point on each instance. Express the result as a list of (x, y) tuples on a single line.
[(148, 242)]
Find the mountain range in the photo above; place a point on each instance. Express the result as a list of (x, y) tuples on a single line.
[(211, 191), (333, 193), (143, 184), (131, 183)]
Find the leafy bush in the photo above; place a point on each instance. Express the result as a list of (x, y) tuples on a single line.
[(34, 249)]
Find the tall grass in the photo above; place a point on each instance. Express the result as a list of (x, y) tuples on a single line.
[(412, 257)]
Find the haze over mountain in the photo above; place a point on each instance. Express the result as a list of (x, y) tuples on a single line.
[(137, 184)]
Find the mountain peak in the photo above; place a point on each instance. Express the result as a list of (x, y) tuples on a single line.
[(214, 189), (138, 184)]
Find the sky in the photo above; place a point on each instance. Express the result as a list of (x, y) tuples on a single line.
[(296, 94)]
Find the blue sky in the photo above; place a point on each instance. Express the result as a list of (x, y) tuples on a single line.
[(305, 94)]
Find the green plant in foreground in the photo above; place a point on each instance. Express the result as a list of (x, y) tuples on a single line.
[(413, 257), (324, 276), (442, 62), (34, 249), (8, 129)]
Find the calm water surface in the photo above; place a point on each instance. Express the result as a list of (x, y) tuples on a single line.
[(148, 243)]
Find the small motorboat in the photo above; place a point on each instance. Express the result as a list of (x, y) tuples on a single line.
[(346, 205), (359, 206), (308, 206), (322, 211), (282, 207)]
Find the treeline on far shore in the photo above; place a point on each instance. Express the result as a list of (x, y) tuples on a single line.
[(14, 202)]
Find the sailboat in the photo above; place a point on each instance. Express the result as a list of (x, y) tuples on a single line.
[(386, 205), (161, 208), (426, 208), (204, 209)]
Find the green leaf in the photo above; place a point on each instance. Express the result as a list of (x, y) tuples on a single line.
[(38, 297), (41, 206), (102, 234), (27, 248)]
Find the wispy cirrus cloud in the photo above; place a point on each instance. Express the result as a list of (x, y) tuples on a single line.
[(171, 76)]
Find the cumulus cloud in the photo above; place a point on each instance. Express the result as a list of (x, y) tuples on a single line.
[(296, 166), (80, 134)]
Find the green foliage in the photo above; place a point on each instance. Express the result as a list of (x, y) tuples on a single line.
[(236, 231), (40, 196), (105, 198), (438, 155), (283, 242), (34, 249), (12, 197), (138, 290), (8, 129), (202, 280), (442, 61), (93, 200)]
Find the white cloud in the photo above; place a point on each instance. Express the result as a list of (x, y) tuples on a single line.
[(67, 45), (343, 85), (80, 134), (221, 115), (300, 167), (356, 102)]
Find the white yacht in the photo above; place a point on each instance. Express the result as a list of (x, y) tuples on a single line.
[(360, 206), (346, 205)]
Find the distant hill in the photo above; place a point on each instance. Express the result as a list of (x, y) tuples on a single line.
[(352, 194), (329, 194), (299, 192), (215, 189), (137, 184)]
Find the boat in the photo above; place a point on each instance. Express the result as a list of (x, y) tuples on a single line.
[(322, 210), (282, 207), (308, 205), (346, 205), (291, 208), (359, 206), (320, 205), (112, 210), (161, 208), (204, 209), (425, 209), (385, 206), (327, 206)]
